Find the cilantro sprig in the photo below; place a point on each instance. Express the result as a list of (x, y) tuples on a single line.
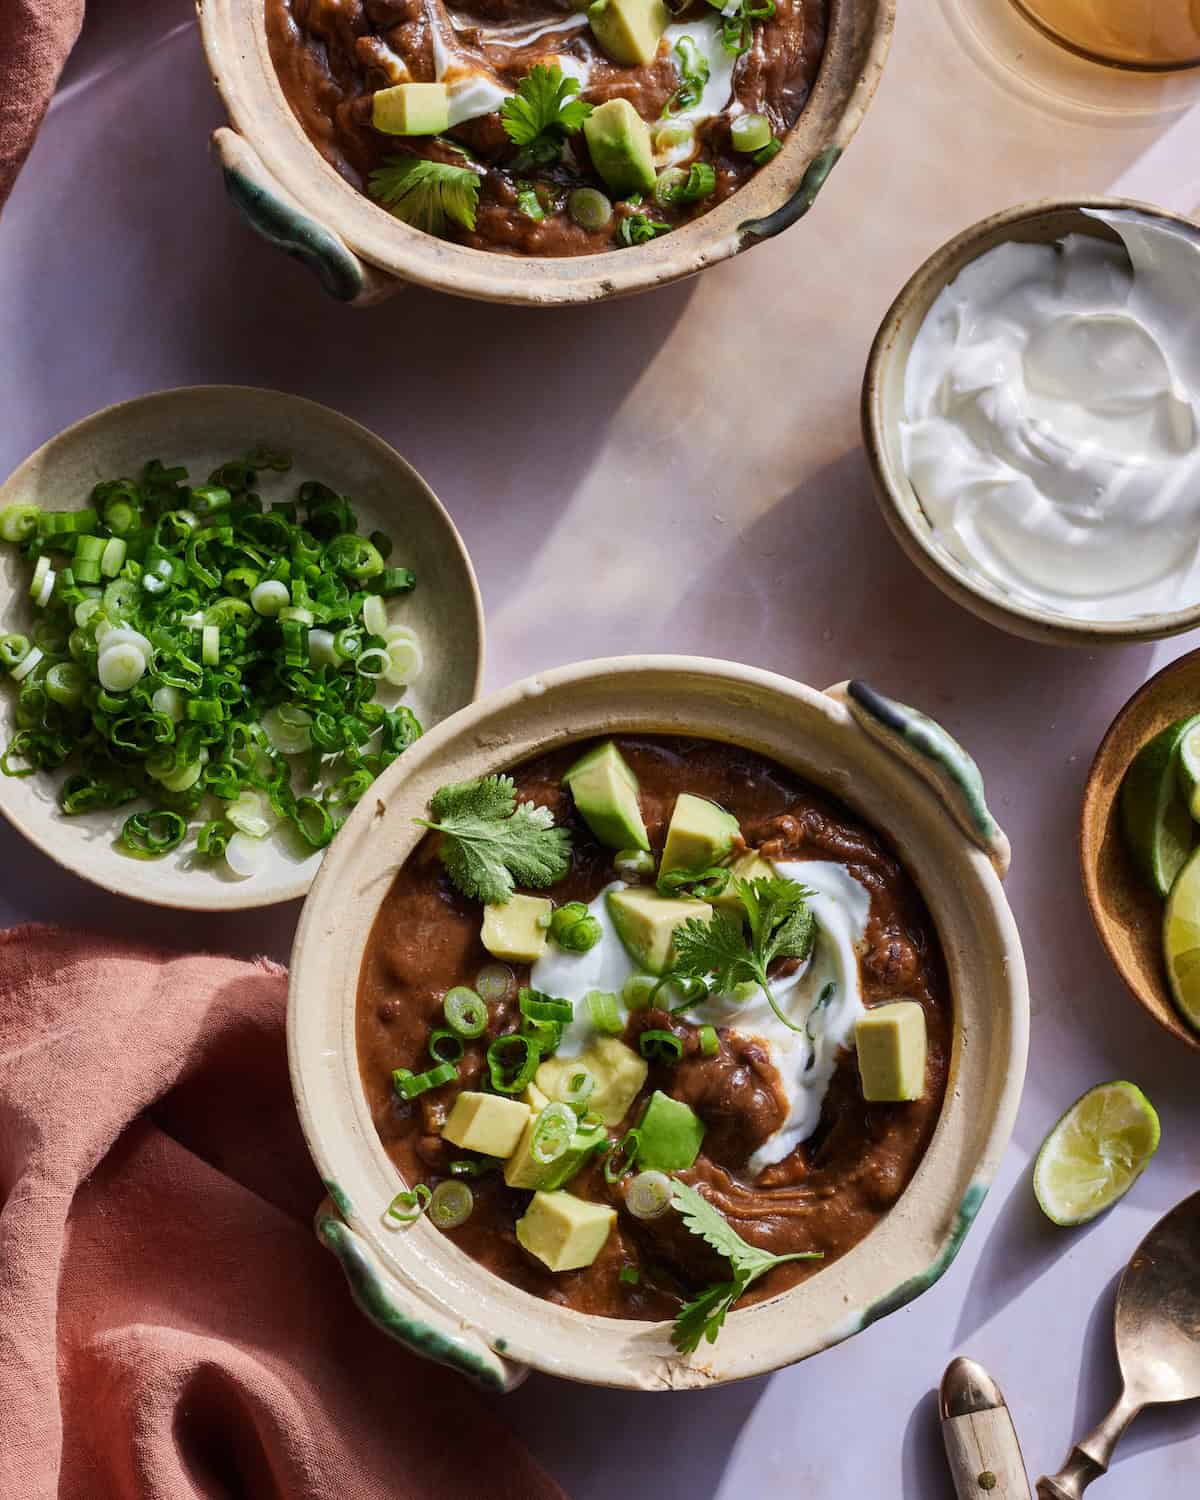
[(426, 194), (704, 1316), (729, 950), (542, 113), (491, 843)]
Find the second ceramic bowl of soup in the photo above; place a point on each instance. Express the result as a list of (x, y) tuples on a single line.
[(892, 768)]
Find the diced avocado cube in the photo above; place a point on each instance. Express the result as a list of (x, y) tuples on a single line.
[(606, 793), (646, 923), (891, 1046), (412, 109), (750, 866), (564, 1232), (671, 1134), (534, 1097), (700, 835), (618, 1070), (486, 1123), (522, 1171), (517, 930), (618, 140), (629, 30)]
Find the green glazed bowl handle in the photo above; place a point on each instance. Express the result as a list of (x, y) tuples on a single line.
[(798, 204), (937, 758), (407, 1319), (275, 215)]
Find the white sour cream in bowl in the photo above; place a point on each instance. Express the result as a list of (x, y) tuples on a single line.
[(1051, 426)]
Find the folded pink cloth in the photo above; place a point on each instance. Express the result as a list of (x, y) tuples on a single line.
[(169, 1328), (36, 37)]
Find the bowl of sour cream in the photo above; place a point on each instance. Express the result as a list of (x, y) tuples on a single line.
[(1031, 414)]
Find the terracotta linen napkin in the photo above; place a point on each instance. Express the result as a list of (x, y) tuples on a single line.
[(36, 37), (169, 1327)]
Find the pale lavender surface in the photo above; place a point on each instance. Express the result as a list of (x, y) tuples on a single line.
[(681, 472)]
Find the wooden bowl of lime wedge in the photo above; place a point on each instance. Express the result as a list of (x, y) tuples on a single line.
[(1140, 847)]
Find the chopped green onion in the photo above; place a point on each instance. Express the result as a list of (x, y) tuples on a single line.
[(750, 132), (541, 1007), (408, 1084), (768, 152), (648, 1195), (494, 982), (445, 1046), (269, 597), (248, 814), (638, 991), (629, 1276), (468, 1168), (245, 856), (553, 1128), (120, 666), (710, 1042), (620, 1160), (663, 1046), (578, 1089), (529, 205), (153, 834), (395, 581), (546, 1034), (18, 522), (373, 662), (407, 1207), (112, 559), (27, 663), (405, 662), (632, 864), (465, 1012), (375, 615), (13, 650), (451, 1204), (675, 138), (574, 928), (678, 186), (605, 1014), (590, 208), (512, 1062)]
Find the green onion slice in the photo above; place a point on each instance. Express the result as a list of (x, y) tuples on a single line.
[(539, 1007), (408, 1085), (445, 1046), (451, 1204), (494, 982), (512, 1062), (407, 1206), (710, 1042), (620, 1160), (553, 1127), (578, 1089), (465, 1012), (638, 991), (629, 1276), (648, 1195), (663, 1046), (605, 1013)]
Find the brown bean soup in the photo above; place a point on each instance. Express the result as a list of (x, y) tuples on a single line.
[(826, 1195)]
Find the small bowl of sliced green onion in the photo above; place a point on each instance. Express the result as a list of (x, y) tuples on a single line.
[(223, 612)]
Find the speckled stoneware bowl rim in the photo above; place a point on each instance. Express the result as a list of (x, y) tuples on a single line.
[(272, 414), (1042, 221), (344, 220), (1099, 805), (895, 768)]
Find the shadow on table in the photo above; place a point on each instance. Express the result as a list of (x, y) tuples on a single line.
[(923, 1460), (675, 1445)]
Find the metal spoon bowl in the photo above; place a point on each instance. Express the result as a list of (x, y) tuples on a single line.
[(1158, 1342)]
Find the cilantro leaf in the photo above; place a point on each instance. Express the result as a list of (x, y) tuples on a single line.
[(781, 926), (704, 1315), (426, 194), (543, 112), (490, 843)]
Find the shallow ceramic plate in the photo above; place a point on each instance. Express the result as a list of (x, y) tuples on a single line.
[(201, 427), (1128, 915)]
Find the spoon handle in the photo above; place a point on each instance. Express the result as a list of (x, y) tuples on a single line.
[(1091, 1456)]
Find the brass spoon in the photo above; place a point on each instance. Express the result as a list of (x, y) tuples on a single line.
[(1158, 1342)]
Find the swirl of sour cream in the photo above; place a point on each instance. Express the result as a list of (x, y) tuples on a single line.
[(1052, 431)]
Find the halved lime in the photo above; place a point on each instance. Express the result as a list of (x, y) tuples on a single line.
[(1095, 1153), (1189, 769), (1181, 941), (1154, 814)]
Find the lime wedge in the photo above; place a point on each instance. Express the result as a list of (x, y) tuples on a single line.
[(1189, 769), (1095, 1153), (1181, 941), (1154, 814)]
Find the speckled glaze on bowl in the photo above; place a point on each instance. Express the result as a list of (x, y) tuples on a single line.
[(361, 253), (201, 427), (1128, 915), (896, 769), (1040, 223)]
